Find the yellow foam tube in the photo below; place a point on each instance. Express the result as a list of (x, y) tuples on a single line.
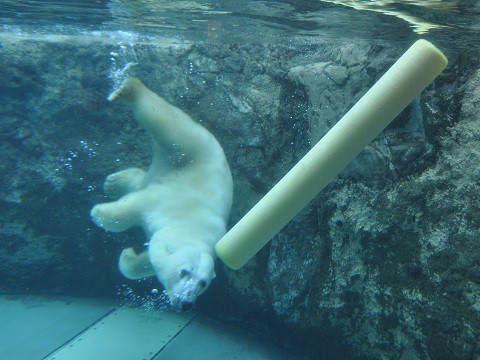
[(404, 81)]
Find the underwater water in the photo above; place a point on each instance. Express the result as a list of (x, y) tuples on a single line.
[(383, 263)]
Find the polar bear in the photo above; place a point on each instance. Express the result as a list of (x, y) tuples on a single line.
[(182, 202)]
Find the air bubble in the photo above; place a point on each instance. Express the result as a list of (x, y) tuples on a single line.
[(148, 302)]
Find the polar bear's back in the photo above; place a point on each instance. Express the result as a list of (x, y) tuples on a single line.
[(196, 191)]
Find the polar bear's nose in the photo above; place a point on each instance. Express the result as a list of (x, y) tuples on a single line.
[(187, 305)]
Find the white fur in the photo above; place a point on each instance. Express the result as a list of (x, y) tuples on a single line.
[(182, 202)]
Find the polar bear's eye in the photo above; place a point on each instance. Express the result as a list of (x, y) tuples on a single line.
[(203, 283), (184, 272)]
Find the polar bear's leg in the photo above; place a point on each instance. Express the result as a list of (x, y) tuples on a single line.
[(168, 125), (123, 182), (135, 266), (122, 214)]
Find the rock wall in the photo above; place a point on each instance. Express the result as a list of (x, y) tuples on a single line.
[(382, 264)]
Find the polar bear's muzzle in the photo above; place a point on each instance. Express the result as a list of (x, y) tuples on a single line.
[(182, 303), (184, 293), (186, 305)]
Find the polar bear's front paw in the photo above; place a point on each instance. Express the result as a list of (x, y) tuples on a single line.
[(123, 182), (98, 215), (135, 266), (109, 216)]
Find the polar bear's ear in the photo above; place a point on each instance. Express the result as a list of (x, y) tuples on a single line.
[(169, 249)]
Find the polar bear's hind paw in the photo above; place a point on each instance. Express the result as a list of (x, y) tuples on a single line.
[(127, 91), (123, 182)]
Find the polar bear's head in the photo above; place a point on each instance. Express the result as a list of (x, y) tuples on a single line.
[(185, 274)]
